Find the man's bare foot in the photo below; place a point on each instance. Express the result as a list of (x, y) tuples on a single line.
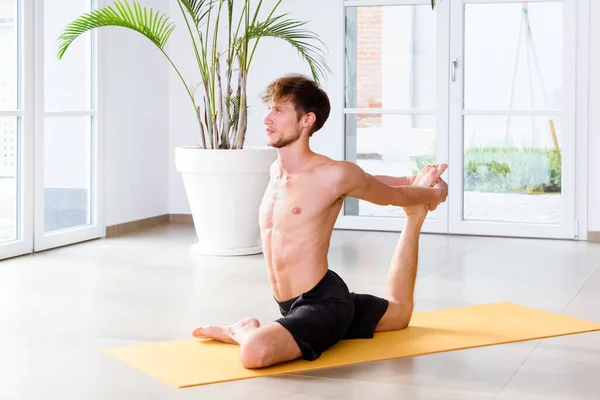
[(226, 334), (427, 177)]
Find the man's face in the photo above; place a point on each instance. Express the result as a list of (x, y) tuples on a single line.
[(281, 124)]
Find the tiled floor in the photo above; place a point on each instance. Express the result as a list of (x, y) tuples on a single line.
[(59, 308)]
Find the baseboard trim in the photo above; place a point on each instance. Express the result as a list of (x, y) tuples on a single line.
[(147, 223), (134, 226), (594, 237), (181, 218)]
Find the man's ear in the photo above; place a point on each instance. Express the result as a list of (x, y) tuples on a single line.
[(309, 119)]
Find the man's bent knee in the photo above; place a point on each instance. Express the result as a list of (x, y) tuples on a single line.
[(405, 311), (401, 321), (397, 317), (254, 353)]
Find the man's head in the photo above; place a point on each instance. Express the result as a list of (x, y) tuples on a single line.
[(297, 105)]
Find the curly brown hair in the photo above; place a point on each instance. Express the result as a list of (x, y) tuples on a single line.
[(306, 95)]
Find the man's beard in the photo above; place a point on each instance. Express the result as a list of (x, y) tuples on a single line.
[(283, 142)]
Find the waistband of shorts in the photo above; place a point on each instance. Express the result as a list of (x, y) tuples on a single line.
[(287, 304)]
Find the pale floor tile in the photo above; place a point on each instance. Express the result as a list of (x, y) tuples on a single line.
[(87, 373), (536, 273), (557, 373), (59, 308), (565, 367), (484, 370)]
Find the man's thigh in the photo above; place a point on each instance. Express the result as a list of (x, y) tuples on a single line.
[(370, 312), (318, 326)]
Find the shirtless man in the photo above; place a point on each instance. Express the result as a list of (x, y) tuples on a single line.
[(297, 216)]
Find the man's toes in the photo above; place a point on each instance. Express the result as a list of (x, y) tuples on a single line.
[(204, 332), (198, 332)]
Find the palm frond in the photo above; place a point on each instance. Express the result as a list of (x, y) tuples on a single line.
[(233, 104), (150, 23), (304, 41), (198, 9)]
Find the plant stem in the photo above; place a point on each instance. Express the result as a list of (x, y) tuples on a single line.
[(242, 111), (224, 115), (198, 59), (199, 117), (180, 77), (208, 125), (200, 68)]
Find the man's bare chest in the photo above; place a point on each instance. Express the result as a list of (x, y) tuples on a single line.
[(292, 204)]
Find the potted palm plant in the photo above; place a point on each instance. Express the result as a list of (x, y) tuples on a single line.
[(224, 180)]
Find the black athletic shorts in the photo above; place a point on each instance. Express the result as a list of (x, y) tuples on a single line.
[(328, 313)]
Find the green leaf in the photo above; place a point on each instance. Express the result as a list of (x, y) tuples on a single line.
[(307, 43), (153, 25), (198, 9), (233, 104)]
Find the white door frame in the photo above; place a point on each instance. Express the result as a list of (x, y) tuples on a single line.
[(436, 221), (575, 175), (567, 228), (25, 113), (43, 241), (582, 118)]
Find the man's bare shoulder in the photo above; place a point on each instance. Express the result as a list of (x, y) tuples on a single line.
[(343, 170), (342, 174), (332, 168)]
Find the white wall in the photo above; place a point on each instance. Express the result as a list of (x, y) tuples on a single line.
[(135, 109), (272, 59), (594, 120)]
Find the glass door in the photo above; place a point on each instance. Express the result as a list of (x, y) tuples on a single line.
[(66, 143), (16, 129), (512, 118), (396, 100)]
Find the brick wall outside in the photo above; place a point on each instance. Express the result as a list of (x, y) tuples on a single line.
[(369, 67)]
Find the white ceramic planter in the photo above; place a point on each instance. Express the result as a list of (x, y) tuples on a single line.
[(224, 190)]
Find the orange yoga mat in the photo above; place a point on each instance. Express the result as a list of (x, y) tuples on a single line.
[(191, 362)]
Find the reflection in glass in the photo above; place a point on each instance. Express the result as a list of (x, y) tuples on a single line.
[(9, 179), (67, 173)]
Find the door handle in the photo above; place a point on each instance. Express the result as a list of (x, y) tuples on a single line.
[(454, 66)]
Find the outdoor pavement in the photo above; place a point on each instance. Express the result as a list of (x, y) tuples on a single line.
[(506, 207)]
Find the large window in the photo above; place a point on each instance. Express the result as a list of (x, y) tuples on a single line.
[(68, 123), (488, 86), (10, 118), (48, 129)]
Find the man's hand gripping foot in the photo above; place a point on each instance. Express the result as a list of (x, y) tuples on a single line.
[(429, 176)]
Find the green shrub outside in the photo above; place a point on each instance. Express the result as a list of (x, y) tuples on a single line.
[(508, 170)]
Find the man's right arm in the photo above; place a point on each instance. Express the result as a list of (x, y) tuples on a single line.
[(355, 182), (396, 180)]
